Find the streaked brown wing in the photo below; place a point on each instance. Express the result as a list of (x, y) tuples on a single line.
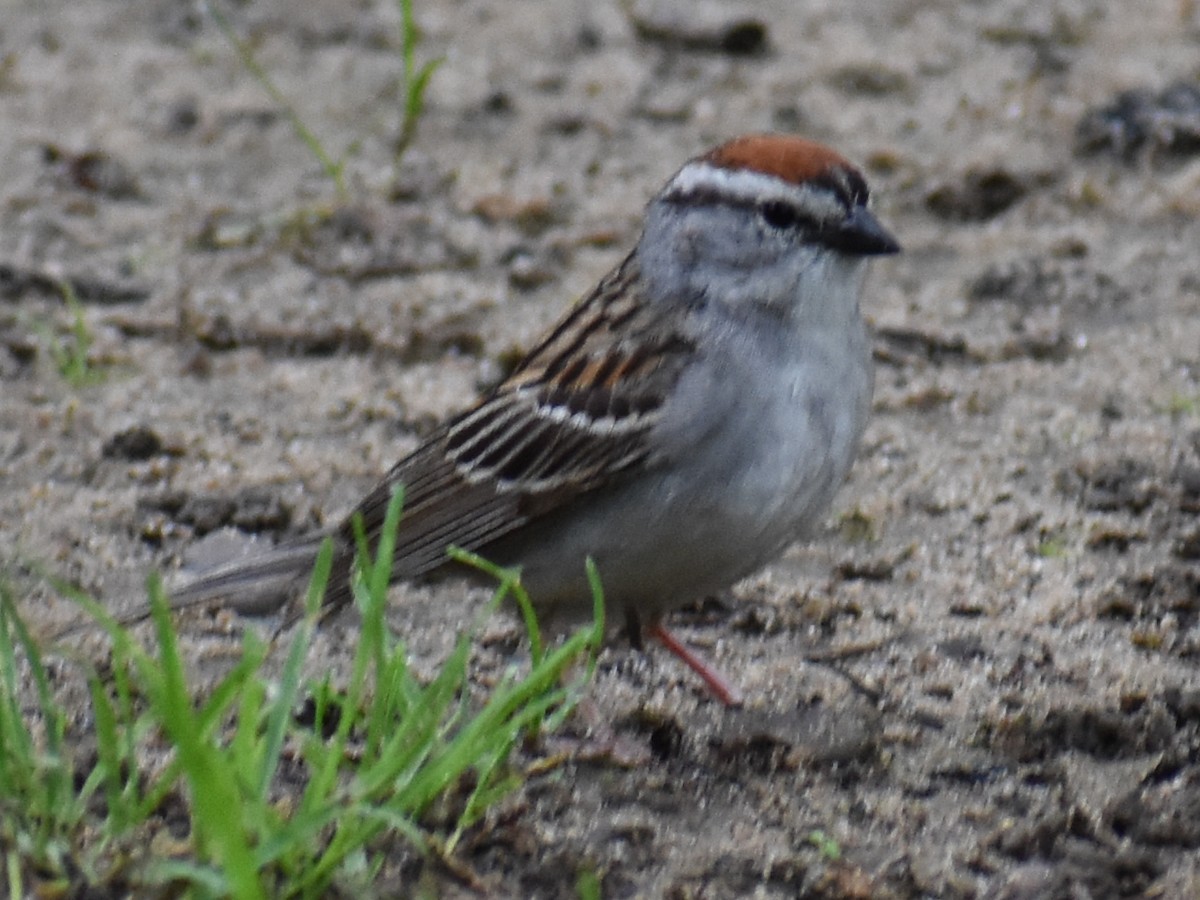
[(572, 417)]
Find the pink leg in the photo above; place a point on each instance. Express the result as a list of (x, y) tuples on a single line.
[(723, 689)]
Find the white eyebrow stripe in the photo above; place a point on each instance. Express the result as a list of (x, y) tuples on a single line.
[(750, 187)]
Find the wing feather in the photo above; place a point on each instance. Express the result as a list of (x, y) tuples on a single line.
[(573, 417)]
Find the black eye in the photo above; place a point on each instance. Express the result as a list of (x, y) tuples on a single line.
[(778, 214)]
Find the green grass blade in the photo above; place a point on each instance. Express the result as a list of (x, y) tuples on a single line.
[(50, 767), (509, 581), (108, 744), (217, 805), (16, 743), (416, 81), (334, 169), (291, 681)]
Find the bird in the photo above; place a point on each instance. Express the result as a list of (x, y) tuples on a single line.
[(681, 425)]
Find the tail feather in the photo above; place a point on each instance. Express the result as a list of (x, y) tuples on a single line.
[(255, 586)]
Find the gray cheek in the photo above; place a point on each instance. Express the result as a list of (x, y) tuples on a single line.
[(724, 237)]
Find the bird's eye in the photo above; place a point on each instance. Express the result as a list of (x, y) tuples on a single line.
[(778, 214)]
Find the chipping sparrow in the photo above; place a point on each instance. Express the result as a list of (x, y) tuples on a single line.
[(682, 425)]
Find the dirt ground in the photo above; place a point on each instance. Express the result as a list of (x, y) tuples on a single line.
[(981, 680)]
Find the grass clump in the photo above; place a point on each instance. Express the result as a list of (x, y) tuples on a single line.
[(826, 844), (71, 355), (40, 808), (278, 805), (415, 80)]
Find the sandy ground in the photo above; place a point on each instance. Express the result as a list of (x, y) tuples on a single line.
[(983, 679)]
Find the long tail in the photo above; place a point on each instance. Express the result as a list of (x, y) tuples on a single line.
[(259, 584), (256, 585)]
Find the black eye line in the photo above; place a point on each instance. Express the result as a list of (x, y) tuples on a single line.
[(823, 232)]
